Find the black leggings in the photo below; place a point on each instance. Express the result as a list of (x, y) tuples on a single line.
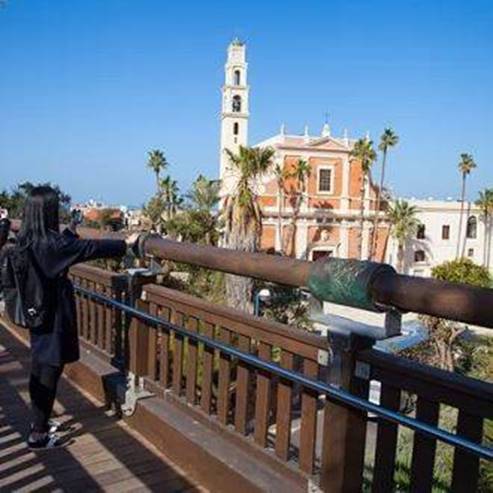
[(42, 389)]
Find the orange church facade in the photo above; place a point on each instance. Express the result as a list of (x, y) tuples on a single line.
[(327, 217)]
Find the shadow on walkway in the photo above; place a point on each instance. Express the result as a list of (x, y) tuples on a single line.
[(103, 454)]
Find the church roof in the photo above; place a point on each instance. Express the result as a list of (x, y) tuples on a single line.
[(307, 142)]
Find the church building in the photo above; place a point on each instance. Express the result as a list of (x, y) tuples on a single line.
[(320, 217)]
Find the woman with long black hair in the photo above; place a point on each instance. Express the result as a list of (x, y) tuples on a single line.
[(55, 342)]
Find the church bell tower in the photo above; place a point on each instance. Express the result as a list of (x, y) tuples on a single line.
[(234, 112)]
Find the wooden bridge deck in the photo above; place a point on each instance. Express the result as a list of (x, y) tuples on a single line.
[(101, 454)]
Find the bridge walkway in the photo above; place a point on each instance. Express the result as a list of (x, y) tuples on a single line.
[(101, 452)]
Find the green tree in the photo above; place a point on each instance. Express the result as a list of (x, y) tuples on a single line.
[(403, 224), (157, 163), (155, 210), (198, 222), (463, 270), (485, 202), (281, 174), (242, 216), (170, 195), (363, 152), (300, 173), (444, 347), (388, 140), (204, 194), (466, 165)]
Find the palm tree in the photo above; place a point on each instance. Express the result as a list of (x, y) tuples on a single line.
[(157, 162), (204, 198), (301, 173), (171, 196), (466, 165), (198, 220), (388, 140), (205, 193), (404, 224), (364, 152), (485, 202), (242, 216), (281, 174)]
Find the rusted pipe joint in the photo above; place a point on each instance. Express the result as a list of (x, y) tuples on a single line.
[(346, 281)]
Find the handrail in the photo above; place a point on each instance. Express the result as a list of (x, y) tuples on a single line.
[(331, 391), (448, 300), (383, 288)]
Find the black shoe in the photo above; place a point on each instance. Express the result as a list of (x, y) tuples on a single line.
[(49, 441)]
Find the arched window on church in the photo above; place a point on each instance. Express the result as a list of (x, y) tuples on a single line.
[(472, 227), (236, 128), (236, 104), (237, 78)]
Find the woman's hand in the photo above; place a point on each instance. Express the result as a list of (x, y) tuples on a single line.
[(75, 220)]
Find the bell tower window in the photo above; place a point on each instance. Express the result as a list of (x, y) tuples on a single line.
[(236, 128), (236, 104), (237, 78)]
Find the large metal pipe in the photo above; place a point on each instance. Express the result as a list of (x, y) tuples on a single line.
[(273, 268), (452, 301)]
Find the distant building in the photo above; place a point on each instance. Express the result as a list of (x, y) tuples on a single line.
[(436, 240), (328, 220)]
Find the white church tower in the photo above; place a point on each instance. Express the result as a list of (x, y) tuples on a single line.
[(234, 112)]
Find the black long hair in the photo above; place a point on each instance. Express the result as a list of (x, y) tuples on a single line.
[(41, 214)]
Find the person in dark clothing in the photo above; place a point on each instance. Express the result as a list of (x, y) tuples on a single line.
[(4, 238), (4, 231), (42, 390), (55, 342)]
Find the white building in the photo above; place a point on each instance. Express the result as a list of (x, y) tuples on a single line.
[(436, 241)]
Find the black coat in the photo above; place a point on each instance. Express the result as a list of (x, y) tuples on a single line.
[(56, 342)]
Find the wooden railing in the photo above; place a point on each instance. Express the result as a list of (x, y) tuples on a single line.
[(454, 401), (253, 402), (293, 426), (100, 326)]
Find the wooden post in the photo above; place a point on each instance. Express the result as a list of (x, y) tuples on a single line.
[(139, 344), (138, 332), (344, 428)]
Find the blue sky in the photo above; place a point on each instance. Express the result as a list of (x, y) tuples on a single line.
[(87, 87)]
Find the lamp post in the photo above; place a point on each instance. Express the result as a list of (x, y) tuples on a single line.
[(261, 295)]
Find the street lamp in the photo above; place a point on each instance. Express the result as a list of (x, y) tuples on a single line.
[(261, 295)]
